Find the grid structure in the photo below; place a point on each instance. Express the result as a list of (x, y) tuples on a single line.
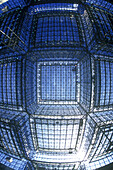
[(99, 162), (15, 93), (11, 83), (56, 55), (103, 82), (30, 83), (56, 82), (53, 7), (11, 21), (99, 34), (55, 166), (56, 29), (8, 5), (85, 82), (14, 32), (10, 162), (56, 134), (15, 133), (98, 135), (102, 4), (60, 110)]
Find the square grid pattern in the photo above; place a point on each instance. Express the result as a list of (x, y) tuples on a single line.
[(56, 134), (56, 82), (103, 83)]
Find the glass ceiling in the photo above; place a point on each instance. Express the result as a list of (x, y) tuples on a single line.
[(56, 84)]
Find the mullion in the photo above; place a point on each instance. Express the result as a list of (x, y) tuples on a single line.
[(87, 87), (42, 30), (40, 95), (10, 19), (5, 139), (3, 22), (92, 19), (6, 84), (13, 21), (60, 82), (66, 134), (42, 90), (66, 22), (65, 77), (111, 137), (35, 30), (109, 17), (46, 68), (105, 65), (48, 133), (99, 83), (25, 86), (102, 144), (60, 25), (2, 83), (10, 141), (11, 83), (110, 84), (21, 71), (32, 37), (66, 30), (72, 26), (72, 134), (53, 29), (55, 82), (79, 129), (105, 21), (79, 30), (42, 133), (1, 139), (54, 133), (96, 84), (14, 141), (103, 24), (97, 146), (107, 133), (70, 81), (19, 141), (47, 30), (60, 133), (100, 25), (16, 77), (35, 130), (51, 82), (76, 81)]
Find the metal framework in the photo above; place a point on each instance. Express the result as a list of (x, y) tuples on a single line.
[(13, 162), (15, 133), (56, 85)]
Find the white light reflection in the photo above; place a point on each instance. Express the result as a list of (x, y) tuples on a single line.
[(56, 158), (58, 6), (3, 1)]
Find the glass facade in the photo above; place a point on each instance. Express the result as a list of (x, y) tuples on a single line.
[(9, 162), (56, 84), (15, 133)]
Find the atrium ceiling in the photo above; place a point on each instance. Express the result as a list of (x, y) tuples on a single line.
[(56, 84)]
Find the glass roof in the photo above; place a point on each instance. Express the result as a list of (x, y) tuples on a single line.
[(56, 83)]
